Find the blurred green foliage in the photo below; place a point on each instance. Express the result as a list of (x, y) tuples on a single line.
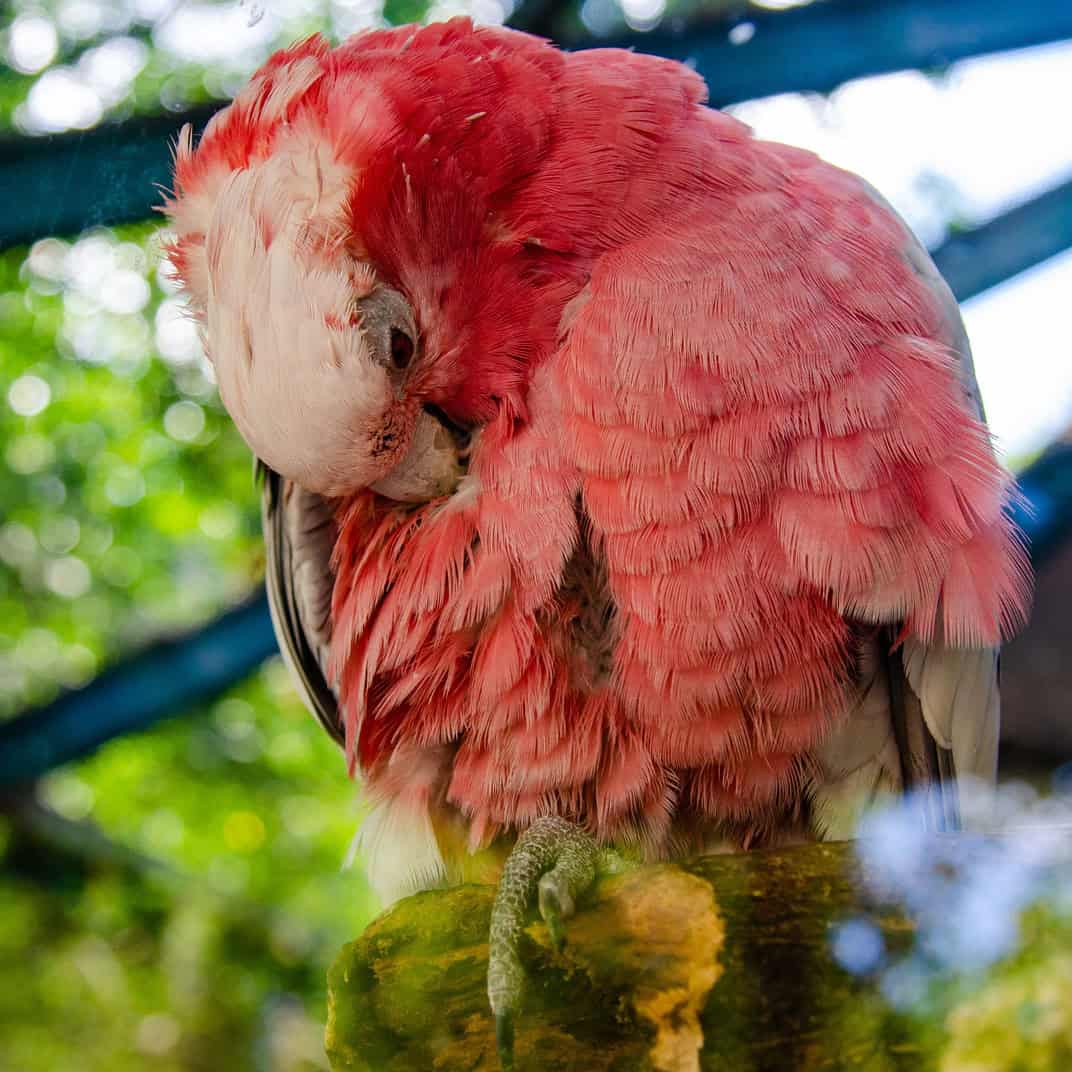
[(128, 507), (128, 511), (1020, 1018), (126, 58)]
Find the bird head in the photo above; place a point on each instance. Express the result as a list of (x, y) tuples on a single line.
[(332, 233), (316, 357), (379, 240)]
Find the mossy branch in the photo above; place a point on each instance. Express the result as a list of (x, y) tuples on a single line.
[(723, 963)]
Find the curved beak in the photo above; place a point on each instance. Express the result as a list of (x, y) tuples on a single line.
[(432, 466)]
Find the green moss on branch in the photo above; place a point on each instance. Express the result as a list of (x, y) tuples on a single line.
[(720, 964)]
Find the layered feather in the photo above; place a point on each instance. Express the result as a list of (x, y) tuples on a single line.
[(722, 398)]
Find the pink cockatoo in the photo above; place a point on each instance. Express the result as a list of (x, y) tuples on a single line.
[(627, 480)]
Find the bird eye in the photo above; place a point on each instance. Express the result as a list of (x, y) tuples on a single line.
[(401, 348)]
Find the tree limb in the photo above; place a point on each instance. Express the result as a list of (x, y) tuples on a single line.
[(720, 963)]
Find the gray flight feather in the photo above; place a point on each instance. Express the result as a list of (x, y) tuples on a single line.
[(926, 713), (299, 533), (859, 763)]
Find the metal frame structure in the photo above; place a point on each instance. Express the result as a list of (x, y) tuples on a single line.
[(110, 175)]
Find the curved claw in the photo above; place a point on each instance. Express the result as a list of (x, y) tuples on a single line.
[(556, 905), (504, 1038)]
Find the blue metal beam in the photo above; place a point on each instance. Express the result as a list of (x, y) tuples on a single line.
[(166, 679), (976, 260), (66, 182), (1045, 515), (821, 45)]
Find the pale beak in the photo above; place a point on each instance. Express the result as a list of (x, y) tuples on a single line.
[(430, 469)]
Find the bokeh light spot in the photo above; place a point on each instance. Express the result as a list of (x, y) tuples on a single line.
[(31, 43), (219, 521), (157, 1034), (858, 946), (29, 395), (163, 829), (643, 15), (67, 794), (48, 259), (184, 421), (38, 649), (29, 453), (68, 577), (742, 33), (124, 291), (60, 100), (60, 535), (125, 486), (121, 566), (18, 545), (80, 19), (177, 337), (78, 666), (243, 831)]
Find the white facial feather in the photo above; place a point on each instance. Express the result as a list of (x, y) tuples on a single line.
[(293, 366), (398, 850), (276, 282)]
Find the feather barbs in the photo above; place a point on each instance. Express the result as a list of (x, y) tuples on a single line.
[(724, 418)]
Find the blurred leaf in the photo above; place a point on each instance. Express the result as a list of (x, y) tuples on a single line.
[(129, 511)]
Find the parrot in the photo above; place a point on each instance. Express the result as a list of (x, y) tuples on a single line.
[(626, 486)]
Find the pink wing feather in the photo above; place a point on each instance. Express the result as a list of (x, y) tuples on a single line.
[(754, 436), (773, 438), (695, 521)]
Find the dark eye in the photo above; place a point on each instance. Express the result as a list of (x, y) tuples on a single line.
[(401, 348)]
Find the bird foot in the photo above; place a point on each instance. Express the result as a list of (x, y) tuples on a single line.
[(558, 860)]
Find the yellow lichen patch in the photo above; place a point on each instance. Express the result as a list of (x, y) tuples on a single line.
[(656, 935), (678, 1035)]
